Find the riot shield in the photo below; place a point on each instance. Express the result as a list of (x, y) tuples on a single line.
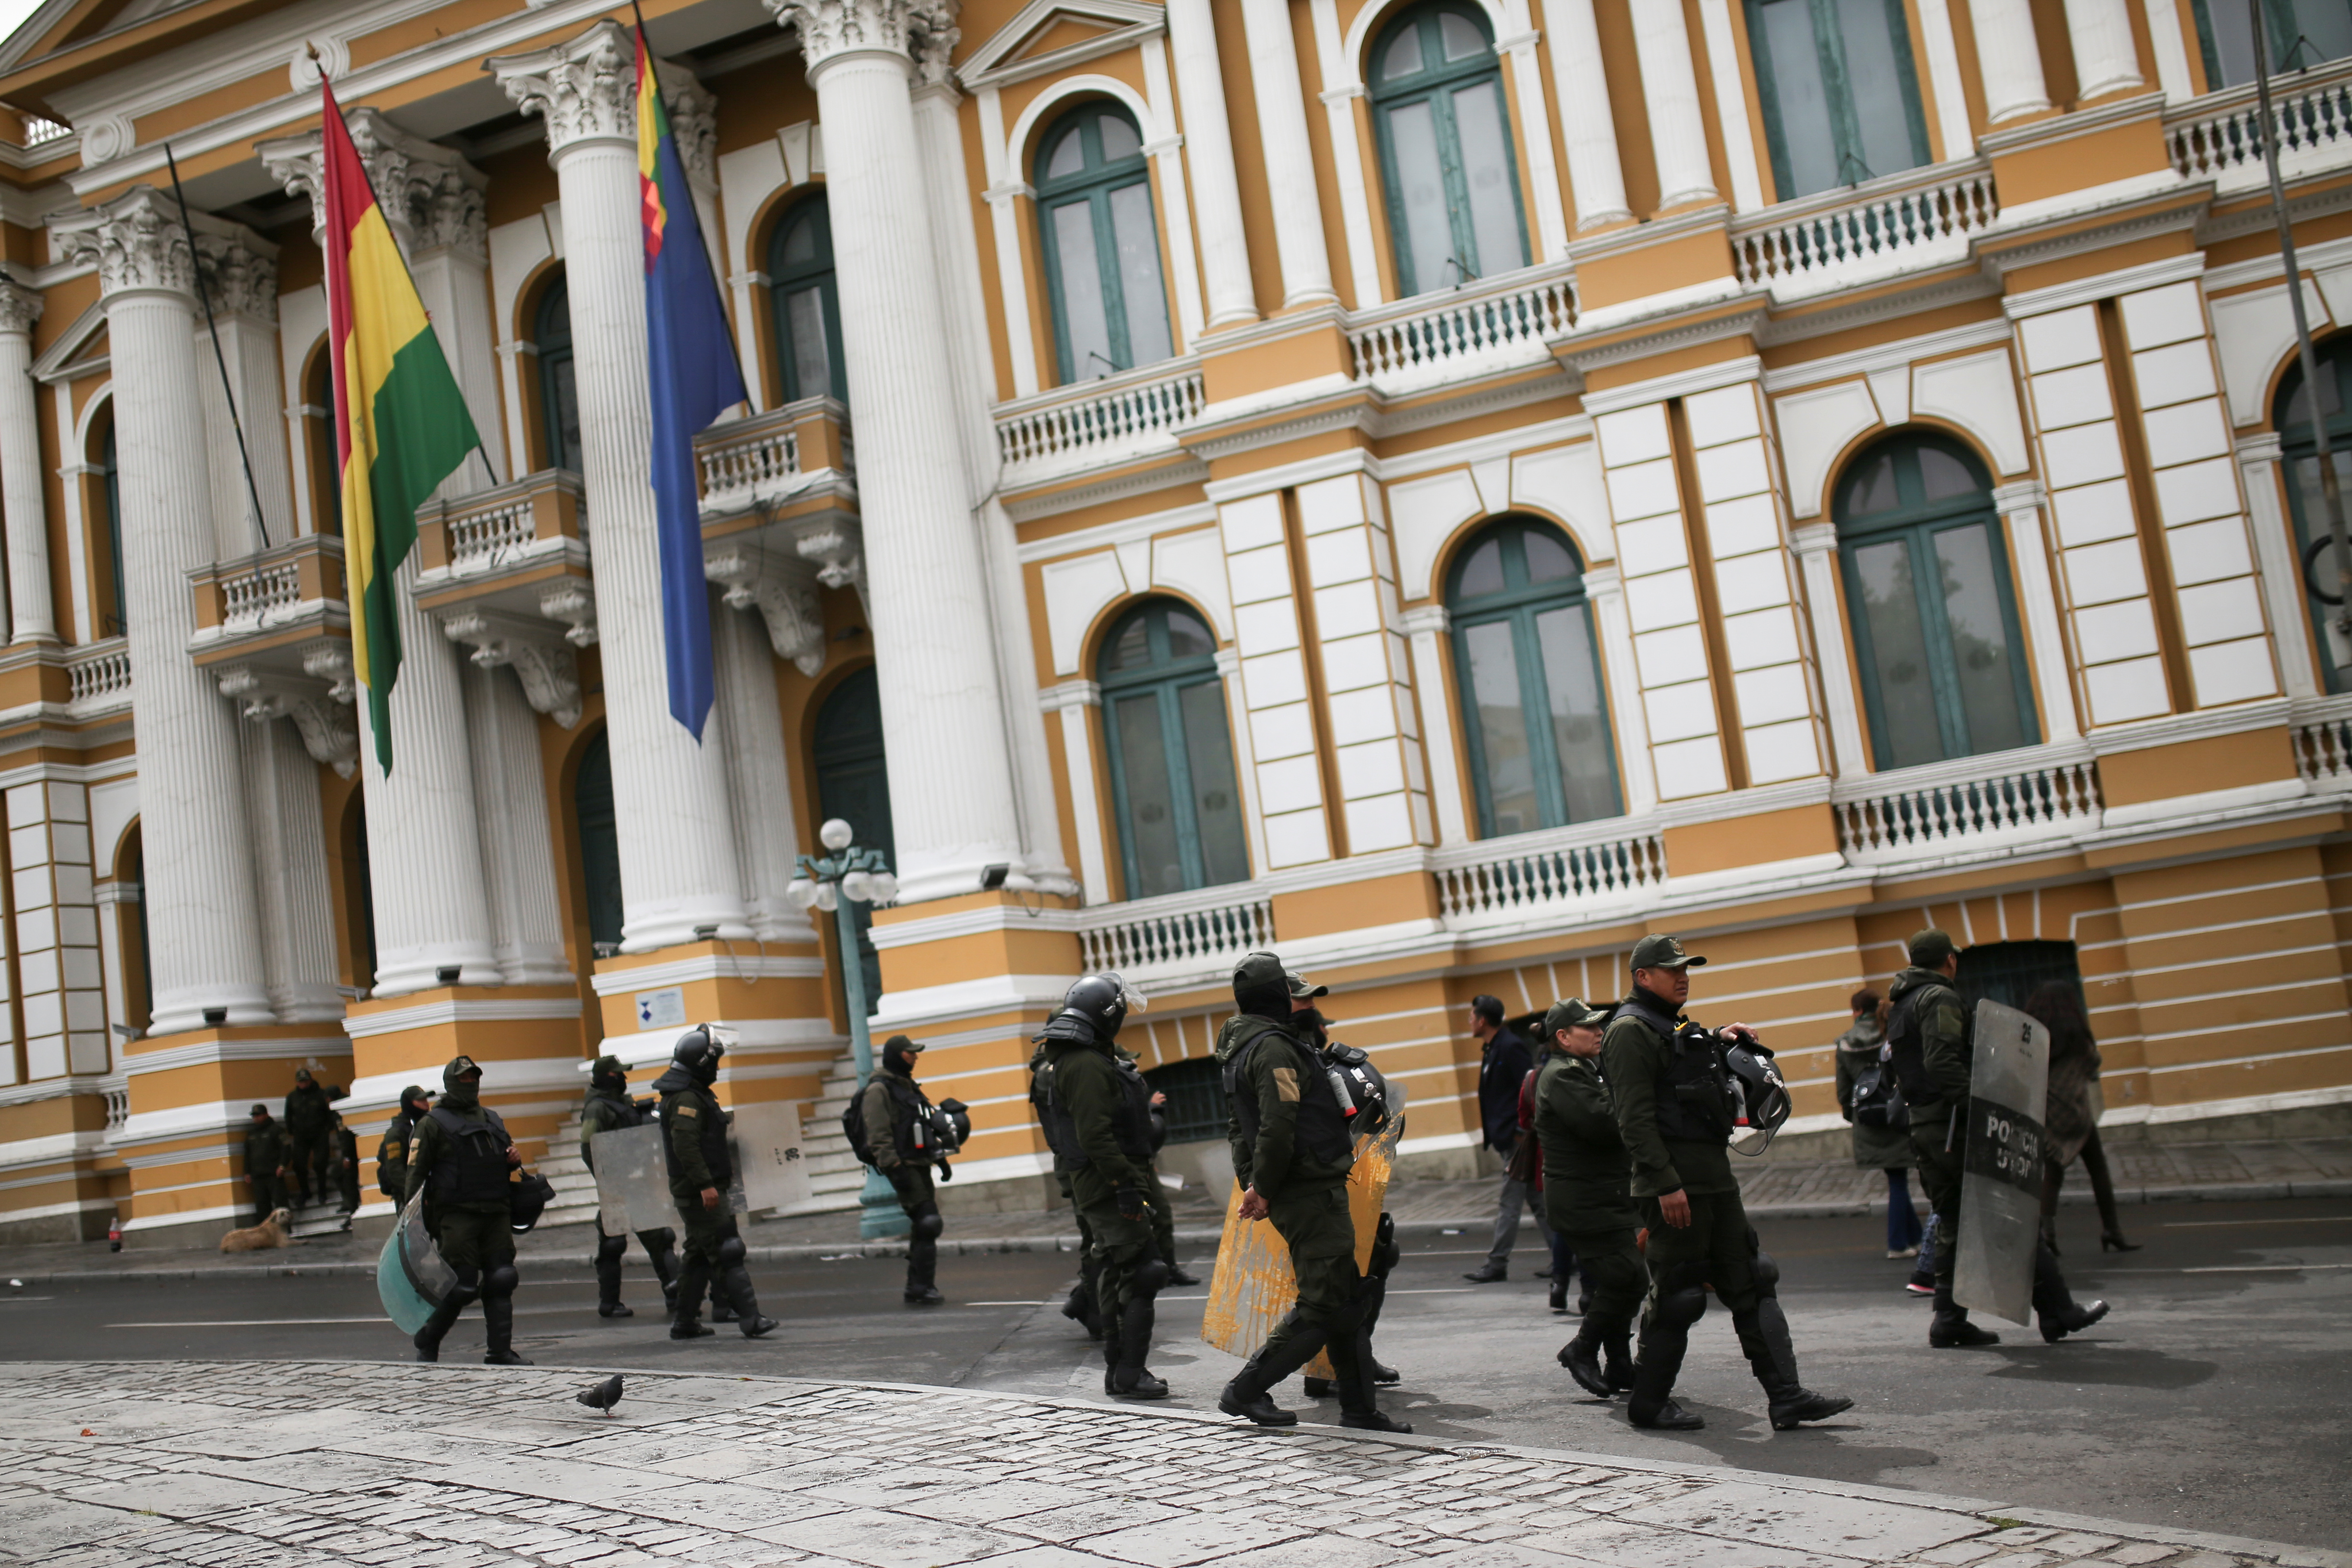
[(2001, 1183), (770, 1172), (410, 1276), (1254, 1287), (632, 1180)]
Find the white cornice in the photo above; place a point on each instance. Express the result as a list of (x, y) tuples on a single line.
[(207, 1053), (750, 965), (1681, 384), (2105, 286), (459, 1010), (1127, 530)]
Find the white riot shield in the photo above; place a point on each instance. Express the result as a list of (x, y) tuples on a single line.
[(632, 1180), (410, 1278), (770, 1172), (2001, 1185)]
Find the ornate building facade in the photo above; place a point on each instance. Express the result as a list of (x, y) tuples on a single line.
[(1439, 487)]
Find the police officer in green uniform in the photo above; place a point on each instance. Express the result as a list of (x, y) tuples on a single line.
[(896, 1113), (1292, 1152), (609, 1108), (343, 1145), (264, 1162), (1098, 1119), (1587, 1196), (1080, 1307), (309, 1134), (1929, 1036), (701, 1168), (392, 1154), (1675, 1100), (464, 1162)]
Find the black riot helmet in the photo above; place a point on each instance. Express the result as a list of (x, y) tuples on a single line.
[(1763, 1094), (1103, 1000), (697, 1051)]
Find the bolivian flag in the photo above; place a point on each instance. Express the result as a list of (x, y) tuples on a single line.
[(401, 424)]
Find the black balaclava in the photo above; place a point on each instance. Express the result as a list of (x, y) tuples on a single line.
[(1313, 1021), (897, 1055), (415, 1100), (1261, 987), (609, 1075), (461, 1084)]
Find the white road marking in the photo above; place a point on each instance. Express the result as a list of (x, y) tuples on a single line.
[(2234, 1224)]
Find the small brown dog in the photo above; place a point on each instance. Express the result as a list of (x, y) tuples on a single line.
[(269, 1233)]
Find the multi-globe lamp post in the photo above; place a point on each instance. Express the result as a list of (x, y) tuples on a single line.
[(844, 876)]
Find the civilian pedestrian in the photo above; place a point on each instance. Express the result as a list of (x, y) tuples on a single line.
[(2071, 1122), (1881, 1142), (1504, 1064)]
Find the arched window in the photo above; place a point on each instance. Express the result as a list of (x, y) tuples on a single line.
[(1537, 725), (1928, 596), (1171, 754), (600, 844), (319, 438), (2291, 417), (807, 305), (852, 783), (1841, 97), (2299, 32), (1445, 149), (1102, 244), (559, 394), (117, 614)]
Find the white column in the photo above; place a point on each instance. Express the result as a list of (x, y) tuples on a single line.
[(203, 916), (2037, 603), (2172, 50), (1229, 669), (31, 616), (1745, 169), (1606, 591), (2009, 60), (758, 780), (1427, 626), (241, 276), (1071, 700), (1209, 155), (677, 839), (517, 841), (450, 259), (1941, 55), (1670, 92), (1595, 177), (2107, 58), (1816, 548), (954, 800), (298, 915), (2258, 463), (1290, 159)]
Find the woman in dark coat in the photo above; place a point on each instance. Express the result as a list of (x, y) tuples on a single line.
[(2071, 1117), (1886, 1149)]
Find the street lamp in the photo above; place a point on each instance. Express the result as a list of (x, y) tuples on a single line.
[(847, 876)]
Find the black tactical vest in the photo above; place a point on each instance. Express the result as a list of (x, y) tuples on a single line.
[(473, 1169), (710, 1131), (1695, 1104), (619, 1109), (910, 1110), (1131, 1124), (1906, 1048), (1322, 1119)]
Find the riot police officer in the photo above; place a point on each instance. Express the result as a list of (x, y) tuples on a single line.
[(1099, 1114), (264, 1162), (392, 1154), (1292, 1152), (1587, 1194), (694, 1135), (609, 1108), (898, 1119), (1676, 1106), (463, 1161), (310, 1137), (1080, 1307)]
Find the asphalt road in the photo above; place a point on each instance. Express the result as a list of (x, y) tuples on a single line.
[(2215, 1397)]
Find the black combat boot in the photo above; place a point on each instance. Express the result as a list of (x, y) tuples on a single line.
[(1763, 1332), (1619, 1368), (497, 1322), (1179, 1275), (1351, 1359), (608, 1277), (1129, 1378), (1581, 1356), (664, 1264), (686, 1310), (2053, 1305), (428, 1339), (922, 1270), (737, 1284), (1949, 1329), (1652, 1404), (1084, 1306), (1291, 1345), (1559, 1294)]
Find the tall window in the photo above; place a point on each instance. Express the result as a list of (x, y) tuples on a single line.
[(600, 845), (1445, 149), (852, 783), (1841, 99), (1928, 596), (2299, 32), (2292, 418), (559, 393), (1533, 712), (117, 617), (318, 433), (807, 304), (1171, 754), (1102, 244)]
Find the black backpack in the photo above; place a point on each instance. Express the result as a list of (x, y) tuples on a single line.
[(853, 1127), (1877, 1096)]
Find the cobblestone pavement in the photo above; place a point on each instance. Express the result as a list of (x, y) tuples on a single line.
[(322, 1464)]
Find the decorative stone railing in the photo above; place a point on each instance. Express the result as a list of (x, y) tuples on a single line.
[(491, 528), (1530, 873), (1972, 800), (754, 463), (301, 578), (1441, 332), (97, 674), (762, 449), (1877, 224), (1106, 418), (2221, 133), (2323, 742), (1197, 928)]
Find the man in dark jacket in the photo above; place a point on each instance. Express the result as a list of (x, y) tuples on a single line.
[(308, 1133), (1674, 1097), (264, 1162), (1588, 1194), (1292, 1152), (464, 1162), (701, 1169), (343, 1145), (1930, 1046), (609, 1108), (392, 1154), (896, 1113), (1504, 1064)]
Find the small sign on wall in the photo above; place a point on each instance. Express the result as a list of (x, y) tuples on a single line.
[(664, 1008)]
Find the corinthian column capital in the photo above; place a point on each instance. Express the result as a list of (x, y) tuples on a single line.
[(923, 30), (432, 198), (19, 307), (586, 89), (241, 271), (135, 241)]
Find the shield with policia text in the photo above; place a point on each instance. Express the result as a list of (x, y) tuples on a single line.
[(410, 1276), (1253, 1285), (770, 1172), (632, 1180), (2000, 1186)]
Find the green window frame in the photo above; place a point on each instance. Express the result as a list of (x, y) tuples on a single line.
[(559, 390), (852, 783), (2302, 33), (1448, 167), (1933, 612), (1535, 709), (1839, 90), (597, 823), (1101, 236), (806, 302), (2291, 417), (1169, 745), (118, 621)]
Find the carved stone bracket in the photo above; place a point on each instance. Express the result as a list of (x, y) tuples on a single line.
[(839, 551), (572, 602), (784, 591), (328, 732), (331, 662), (541, 657)]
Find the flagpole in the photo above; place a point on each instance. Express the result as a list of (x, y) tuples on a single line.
[(693, 209), (228, 390)]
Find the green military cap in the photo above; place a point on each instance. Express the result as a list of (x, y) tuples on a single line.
[(1655, 952), (1570, 1013), (901, 1043), (607, 1065), (1260, 969), (458, 1068), (1299, 988), (259, 1110), (1930, 948)]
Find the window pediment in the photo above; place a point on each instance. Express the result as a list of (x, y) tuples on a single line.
[(1053, 34)]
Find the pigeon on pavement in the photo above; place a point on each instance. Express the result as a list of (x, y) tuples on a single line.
[(602, 1397)]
